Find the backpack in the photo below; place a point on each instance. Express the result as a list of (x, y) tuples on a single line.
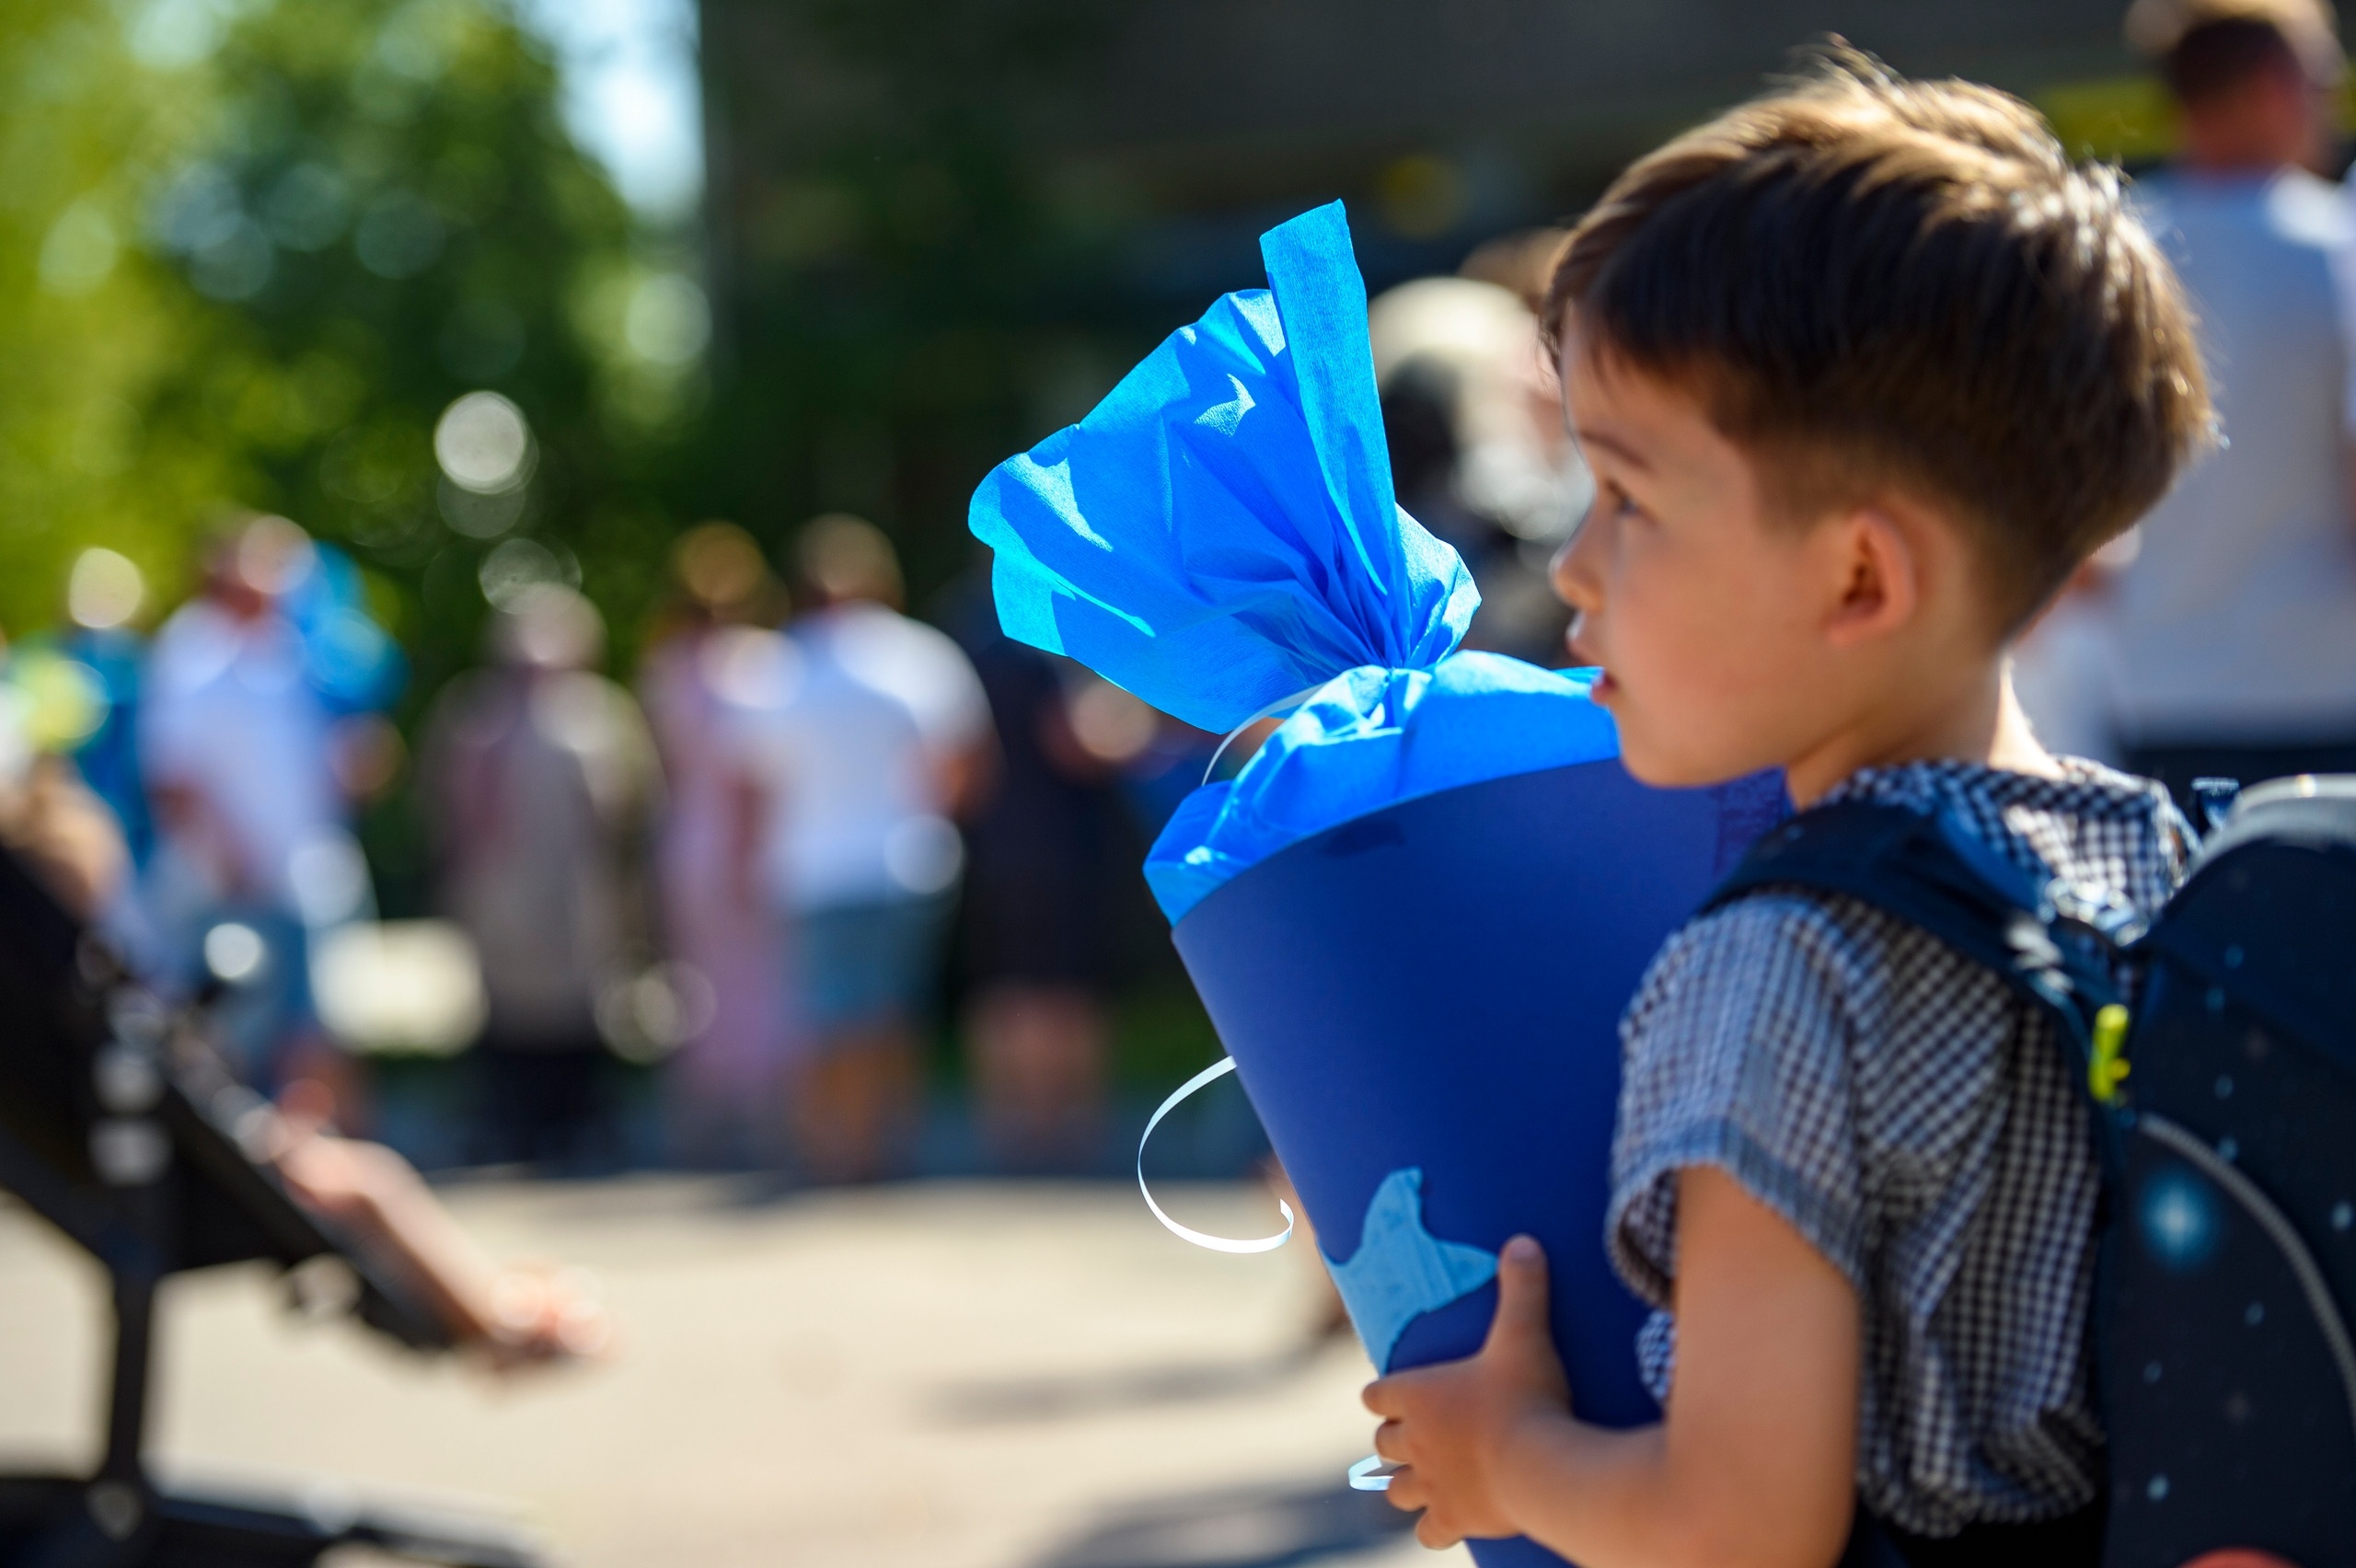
[(2225, 1115)]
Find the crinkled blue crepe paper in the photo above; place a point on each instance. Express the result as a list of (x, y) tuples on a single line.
[(1368, 739), (1220, 534)]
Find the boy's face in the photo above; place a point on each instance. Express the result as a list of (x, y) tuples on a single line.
[(1708, 616)]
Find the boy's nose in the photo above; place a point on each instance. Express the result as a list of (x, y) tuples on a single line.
[(1572, 583)]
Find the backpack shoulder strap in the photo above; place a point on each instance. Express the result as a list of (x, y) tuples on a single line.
[(1931, 873)]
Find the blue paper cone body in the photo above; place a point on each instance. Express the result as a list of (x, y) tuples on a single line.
[(1437, 987)]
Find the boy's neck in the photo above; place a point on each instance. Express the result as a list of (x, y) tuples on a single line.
[(1979, 721)]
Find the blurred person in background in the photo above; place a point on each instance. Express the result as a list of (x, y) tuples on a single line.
[(65, 837), (62, 831), (860, 735), (1044, 850), (71, 798), (540, 783), (2234, 624), (246, 748), (723, 1084), (1478, 451)]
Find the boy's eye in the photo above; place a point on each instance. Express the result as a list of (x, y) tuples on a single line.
[(1619, 502)]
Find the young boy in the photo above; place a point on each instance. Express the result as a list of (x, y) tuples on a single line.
[(1864, 370)]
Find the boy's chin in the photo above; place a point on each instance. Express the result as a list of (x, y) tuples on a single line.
[(1649, 760), (1664, 769)]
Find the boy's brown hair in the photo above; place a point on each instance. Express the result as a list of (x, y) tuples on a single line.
[(1873, 283)]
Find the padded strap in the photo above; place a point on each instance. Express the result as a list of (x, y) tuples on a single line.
[(1932, 873), (1929, 872)]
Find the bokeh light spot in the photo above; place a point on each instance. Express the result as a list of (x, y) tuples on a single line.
[(668, 322), (79, 251), (104, 590), (483, 443), (234, 952), (518, 566)]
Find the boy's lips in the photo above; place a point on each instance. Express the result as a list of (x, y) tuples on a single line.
[(1584, 654)]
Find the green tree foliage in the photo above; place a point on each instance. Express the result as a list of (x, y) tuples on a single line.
[(251, 254), (89, 326)]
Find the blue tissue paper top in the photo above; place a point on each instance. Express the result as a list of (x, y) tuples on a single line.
[(1220, 536), (1221, 532), (1371, 739)]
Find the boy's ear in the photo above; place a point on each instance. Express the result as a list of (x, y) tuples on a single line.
[(1880, 582)]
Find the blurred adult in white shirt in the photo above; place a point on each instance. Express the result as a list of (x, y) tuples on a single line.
[(2234, 625), (860, 736)]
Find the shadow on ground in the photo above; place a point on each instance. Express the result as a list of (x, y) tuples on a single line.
[(995, 1401), (1245, 1528)]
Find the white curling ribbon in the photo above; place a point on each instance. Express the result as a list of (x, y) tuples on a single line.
[(1283, 707), (1216, 1070), (1364, 1476)]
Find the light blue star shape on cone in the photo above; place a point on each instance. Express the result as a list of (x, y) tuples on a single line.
[(1401, 1271)]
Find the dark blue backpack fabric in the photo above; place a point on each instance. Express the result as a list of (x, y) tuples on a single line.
[(2227, 1257)]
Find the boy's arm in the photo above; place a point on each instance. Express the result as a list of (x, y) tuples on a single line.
[(1753, 1465)]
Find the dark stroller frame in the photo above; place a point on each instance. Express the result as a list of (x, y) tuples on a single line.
[(120, 1127)]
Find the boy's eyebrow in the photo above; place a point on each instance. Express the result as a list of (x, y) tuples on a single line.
[(1614, 445)]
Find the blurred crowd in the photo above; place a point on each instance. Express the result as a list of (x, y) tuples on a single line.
[(815, 837)]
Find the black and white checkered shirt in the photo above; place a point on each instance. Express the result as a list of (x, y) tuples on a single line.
[(1920, 1125)]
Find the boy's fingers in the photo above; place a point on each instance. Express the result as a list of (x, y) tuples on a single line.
[(1430, 1532), (1522, 1292), (1405, 1492), (1390, 1442), (1393, 1394)]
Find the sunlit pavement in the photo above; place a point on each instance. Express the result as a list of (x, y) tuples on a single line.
[(999, 1374)]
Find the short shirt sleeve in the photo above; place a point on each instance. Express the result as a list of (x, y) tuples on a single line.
[(1737, 1055)]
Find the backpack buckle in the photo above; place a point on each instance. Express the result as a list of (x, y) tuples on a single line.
[(2033, 946), (2099, 909)]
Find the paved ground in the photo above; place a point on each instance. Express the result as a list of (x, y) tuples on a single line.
[(957, 1375)]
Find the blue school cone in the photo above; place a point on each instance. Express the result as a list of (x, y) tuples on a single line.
[(1418, 913), (1421, 1005)]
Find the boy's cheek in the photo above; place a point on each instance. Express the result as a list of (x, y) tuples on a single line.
[(1678, 728), (1643, 749), (1691, 682)]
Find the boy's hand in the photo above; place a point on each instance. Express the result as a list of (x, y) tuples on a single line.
[(1448, 1427)]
